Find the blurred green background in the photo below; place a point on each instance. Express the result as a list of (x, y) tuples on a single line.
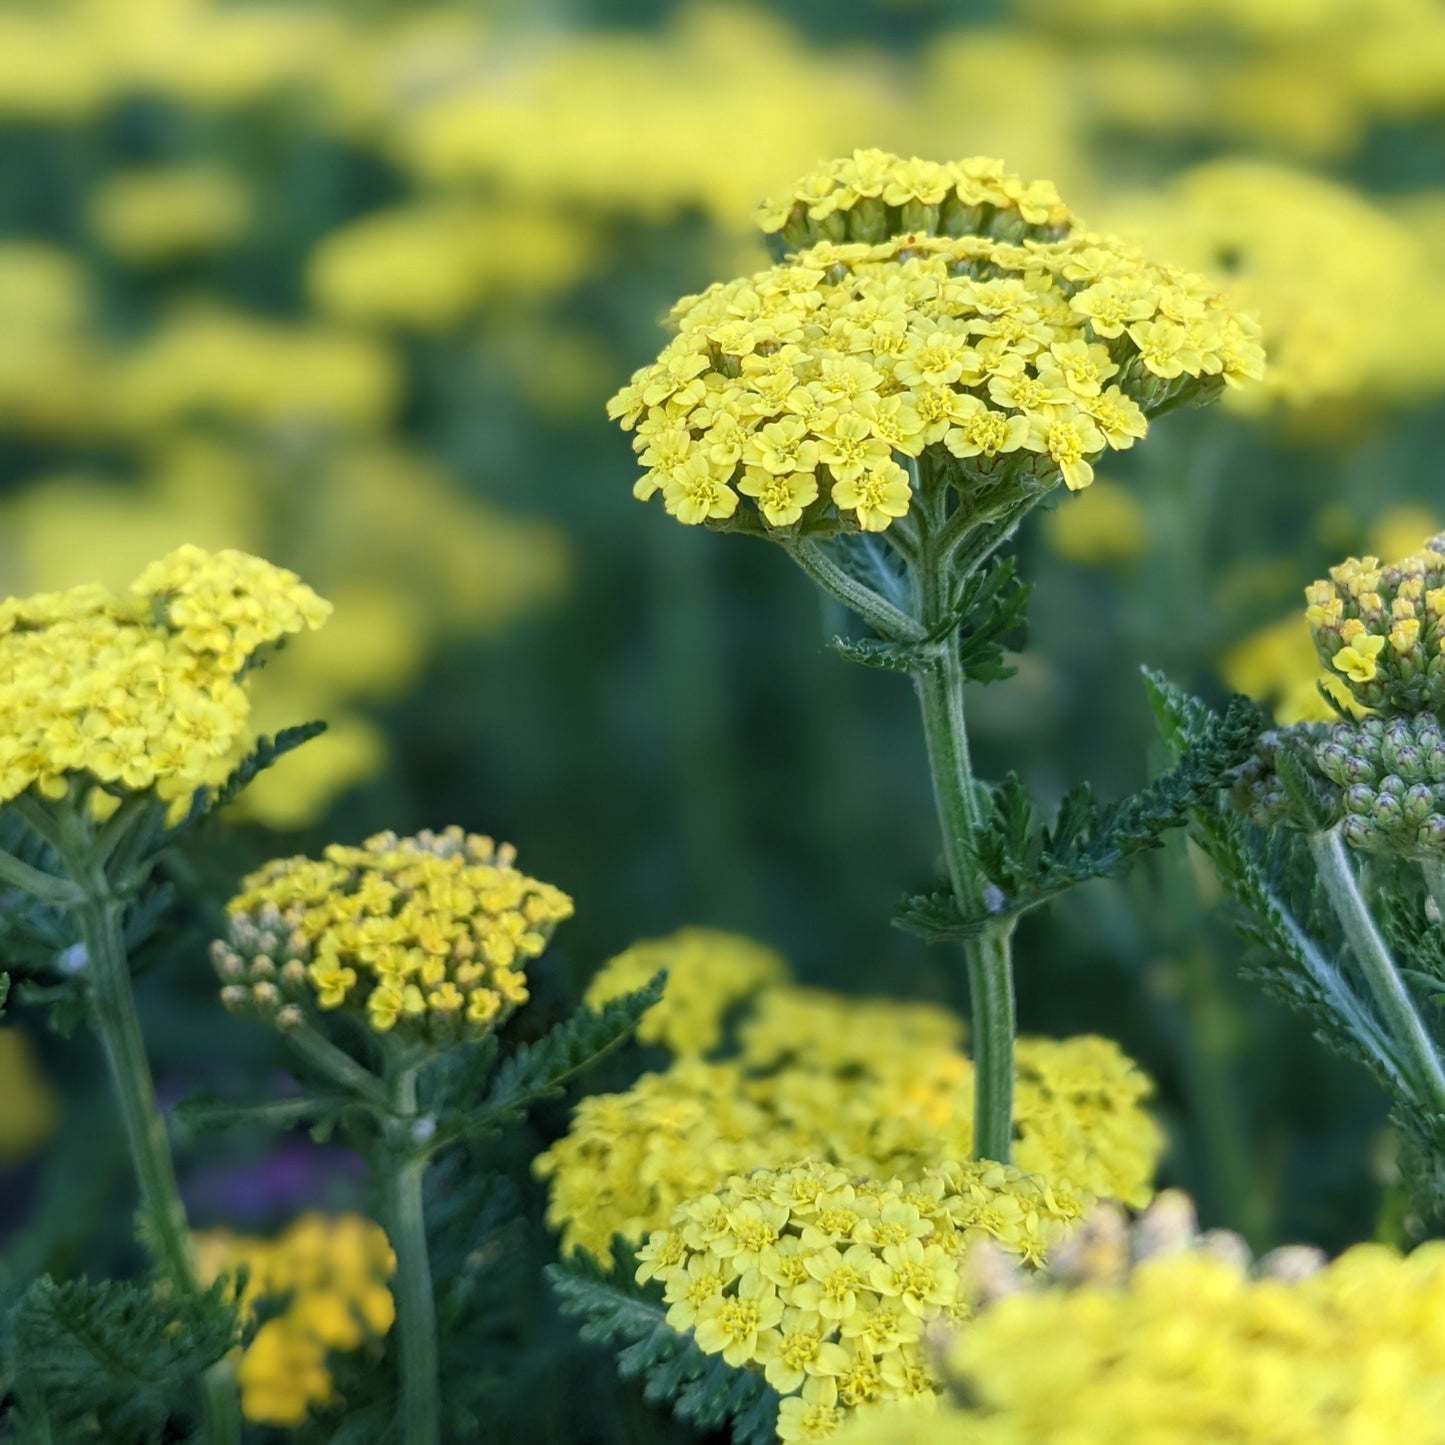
[(348, 285)]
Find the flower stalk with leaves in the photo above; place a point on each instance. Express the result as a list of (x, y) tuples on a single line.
[(937, 351), (1333, 836), (389, 968), (122, 718)]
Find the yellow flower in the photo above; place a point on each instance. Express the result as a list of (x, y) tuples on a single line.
[(419, 935), (328, 1275), (152, 695), (708, 973), (827, 1311)]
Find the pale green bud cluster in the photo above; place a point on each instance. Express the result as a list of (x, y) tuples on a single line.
[(1382, 780)]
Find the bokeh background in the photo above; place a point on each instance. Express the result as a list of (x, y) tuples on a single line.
[(348, 285)]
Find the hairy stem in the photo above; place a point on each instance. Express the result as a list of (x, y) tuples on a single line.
[(881, 615), (416, 1323), (1407, 1031)]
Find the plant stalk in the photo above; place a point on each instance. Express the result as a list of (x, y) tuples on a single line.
[(989, 955), (1403, 1022), (416, 1322), (165, 1231)]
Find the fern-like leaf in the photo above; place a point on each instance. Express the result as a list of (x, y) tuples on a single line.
[(702, 1389), (266, 754), (114, 1359), (542, 1070)]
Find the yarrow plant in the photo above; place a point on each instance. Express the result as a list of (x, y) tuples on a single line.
[(323, 1285), (1097, 1346), (120, 717), (826, 1282), (874, 1086), (1332, 838), (940, 349), (388, 967)]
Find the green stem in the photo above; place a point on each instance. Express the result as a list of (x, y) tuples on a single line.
[(1434, 871), (1397, 1009), (166, 1233), (881, 615), (338, 1065), (989, 956), (45, 886), (416, 1321)]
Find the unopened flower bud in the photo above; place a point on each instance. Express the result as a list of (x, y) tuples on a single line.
[(236, 998)]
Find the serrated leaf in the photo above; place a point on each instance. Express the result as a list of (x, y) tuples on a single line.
[(702, 1389), (126, 1354), (267, 752), (541, 1070), (1025, 864), (878, 653)]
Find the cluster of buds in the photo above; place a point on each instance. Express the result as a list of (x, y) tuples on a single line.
[(872, 195), (1382, 628), (1107, 1246), (425, 938), (1382, 780)]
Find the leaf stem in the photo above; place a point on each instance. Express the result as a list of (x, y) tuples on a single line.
[(1407, 1031), (419, 1422), (881, 615)]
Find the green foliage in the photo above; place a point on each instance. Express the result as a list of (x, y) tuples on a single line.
[(1298, 951), (111, 1361), (702, 1389), (535, 1071), (884, 655), (1027, 863), (991, 610)]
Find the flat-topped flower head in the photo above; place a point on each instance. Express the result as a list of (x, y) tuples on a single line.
[(796, 400), (1381, 628), (825, 1281), (423, 938), (142, 692), (873, 194), (874, 1086)]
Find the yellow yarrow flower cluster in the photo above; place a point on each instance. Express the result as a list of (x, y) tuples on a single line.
[(156, 215), (329, 1276), (808, 387), (140, 692), (708, 974), (873, 194), (425, 937), (875, 1086), (824, 1282), (1382, 627), (1194, 1351)]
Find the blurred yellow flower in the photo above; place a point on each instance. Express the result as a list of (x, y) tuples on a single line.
[(211, 361), (30, 1108), (430, 264), (1099, 527), (166, 213), (327, 1278)]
